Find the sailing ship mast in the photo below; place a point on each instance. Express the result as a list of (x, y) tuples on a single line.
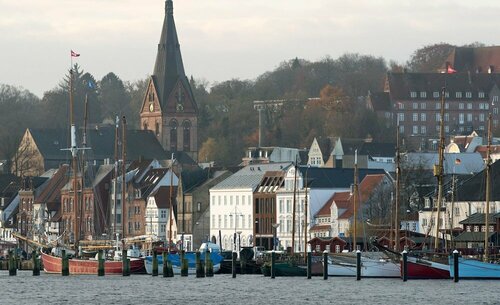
[(487, 212), (124, 156), (355, 198), (305, 214), (294, 203), (439, 171), (171, 213), (115, 191), (398, 186)]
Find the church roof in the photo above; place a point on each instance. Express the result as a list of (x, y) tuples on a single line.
[(169, 69)]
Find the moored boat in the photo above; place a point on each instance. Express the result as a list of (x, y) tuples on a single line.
[(419, 268), (53, 264), (342, 265), (175, 259), (474, 269)]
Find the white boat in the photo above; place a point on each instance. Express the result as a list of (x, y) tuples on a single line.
[(345, 265)]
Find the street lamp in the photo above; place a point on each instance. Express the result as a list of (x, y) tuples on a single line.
[(239, 241), (275, 226)]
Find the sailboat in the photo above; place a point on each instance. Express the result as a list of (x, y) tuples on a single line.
[(373, 264), (52, 262), (471, 268)]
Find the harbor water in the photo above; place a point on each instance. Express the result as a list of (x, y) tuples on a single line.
[(244, 289)]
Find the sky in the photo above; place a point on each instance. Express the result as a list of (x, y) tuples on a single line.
[(224, 39)]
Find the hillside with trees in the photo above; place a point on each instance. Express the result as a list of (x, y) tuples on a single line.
[(322, 99)]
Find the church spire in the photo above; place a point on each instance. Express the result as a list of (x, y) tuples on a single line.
[(169, 68)]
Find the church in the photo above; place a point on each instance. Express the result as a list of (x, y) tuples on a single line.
[(169, 108)]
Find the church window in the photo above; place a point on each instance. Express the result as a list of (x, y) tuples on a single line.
[(173, 135), (187, 135)]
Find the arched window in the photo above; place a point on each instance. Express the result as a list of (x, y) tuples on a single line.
[(145, 126), (186, 134), (173, 135), (157, 129)]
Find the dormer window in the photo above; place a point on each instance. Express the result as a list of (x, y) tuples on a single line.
[(423, 94), (413, 94), (458, 94), (427, 202), (481, 94), (468, 94), (435, 94)]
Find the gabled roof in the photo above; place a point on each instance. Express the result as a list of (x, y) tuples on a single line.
[(325, 209), (478, 219), (140, 143), (250, 176), (368, 185), (474, 189), (271, 181), (52, 192), (323, 177), (163, 198), (401, 84), (474, 59)]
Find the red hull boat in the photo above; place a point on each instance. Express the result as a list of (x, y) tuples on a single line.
[(53, 264), (426, 269)]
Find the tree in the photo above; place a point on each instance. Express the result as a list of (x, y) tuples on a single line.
[(114, 99), (429, 58)]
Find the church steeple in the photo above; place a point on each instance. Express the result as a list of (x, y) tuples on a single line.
[(169, 108)]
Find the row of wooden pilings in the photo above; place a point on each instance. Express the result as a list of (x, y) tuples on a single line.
[(203, 268), (404, 271), (13, 263)]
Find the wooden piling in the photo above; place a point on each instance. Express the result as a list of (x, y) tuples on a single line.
[(100, 263), (234, 264), (165, 265), (12, 264), (358, 265), (199, 266), (184, 265), (170, 268), (309, 265), (456, 275), (273, 262), (36, 263), (125, 264), (325, 265), (65, 264), (405, 266), (155, 264)]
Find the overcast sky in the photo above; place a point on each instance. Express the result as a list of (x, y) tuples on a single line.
[(224, 39)]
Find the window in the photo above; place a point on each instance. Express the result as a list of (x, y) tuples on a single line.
[(415, 129), (427, 202), (415, 105), (225, 200), (468, 94), (220, 221), (423, 117), (401, 105), (423, 94), (413, 94), (401, 117), (446, 117), (461, 106), (237, 200), (469, 117), (461, 118), (446, 105), (282, 206), (438, 117), (423, 105), (481, 117), (495, 99), (481, 106), (288, 206), (401, 129), (438, 105), (469, 106), (495, 110), (423, 129), (458, 94), (225, 221), (231, 200), (481, 94), (446, 128), (447, 94), (415, 117), (435, 94)]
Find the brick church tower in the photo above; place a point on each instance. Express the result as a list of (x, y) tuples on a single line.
[(169, 108)]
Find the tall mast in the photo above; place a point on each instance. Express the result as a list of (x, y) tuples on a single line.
[(293, 208), (439, 170), (117, 121), (398, 186), (170, 203), (305, 215), (74, 152), (355, 198), (487, 212), (124, 157)]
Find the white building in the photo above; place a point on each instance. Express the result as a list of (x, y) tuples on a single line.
[(158, 215)]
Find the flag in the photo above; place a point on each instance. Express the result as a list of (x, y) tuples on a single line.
[(450, 70), (74, 54), (458, 161)]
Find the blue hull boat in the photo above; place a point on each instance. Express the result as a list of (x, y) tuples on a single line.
[(474, 269), (175, 259)]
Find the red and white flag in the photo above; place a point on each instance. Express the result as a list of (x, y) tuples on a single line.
[(74, 54)]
